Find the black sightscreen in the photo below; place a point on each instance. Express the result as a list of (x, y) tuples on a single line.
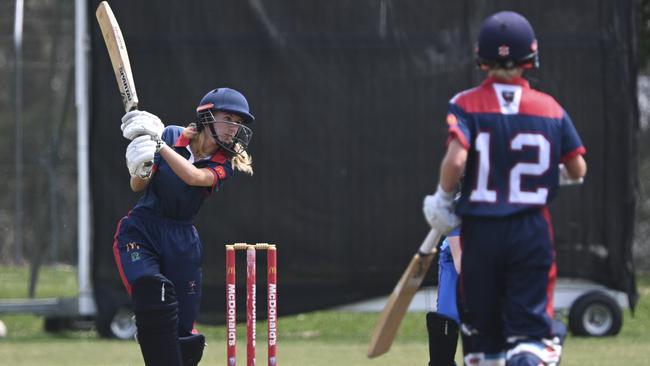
[(350, 99)]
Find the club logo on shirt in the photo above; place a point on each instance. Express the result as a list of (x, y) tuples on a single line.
[(221, 172), (508, 96), (135, 256), (132, 246), (192, 287), (452, 120)]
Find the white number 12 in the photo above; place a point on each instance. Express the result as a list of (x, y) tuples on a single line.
[(482, 194)]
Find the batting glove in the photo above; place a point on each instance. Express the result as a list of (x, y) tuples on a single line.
[(137, 123), (565, 178), (439, 211), (139, 156)]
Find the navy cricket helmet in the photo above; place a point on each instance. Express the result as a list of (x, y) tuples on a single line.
[(230, 135), (507, 40)]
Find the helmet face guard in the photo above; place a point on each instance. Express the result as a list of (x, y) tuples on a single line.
[(232, 136)]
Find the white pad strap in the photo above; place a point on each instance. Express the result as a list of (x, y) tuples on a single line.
[(485, 359), (547, 351)]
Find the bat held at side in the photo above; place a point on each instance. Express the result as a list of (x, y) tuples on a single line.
[(399, 300)]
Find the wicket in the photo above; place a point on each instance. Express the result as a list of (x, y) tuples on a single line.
[(251, 319)]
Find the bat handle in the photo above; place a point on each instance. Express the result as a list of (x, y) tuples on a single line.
[(429, 243)]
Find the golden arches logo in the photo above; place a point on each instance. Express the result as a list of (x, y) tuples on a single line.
[(132, 246), (273, 270), (230, 270)]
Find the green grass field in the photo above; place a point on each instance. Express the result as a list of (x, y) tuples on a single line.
[(313, 339)]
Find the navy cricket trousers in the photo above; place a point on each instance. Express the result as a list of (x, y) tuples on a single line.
[(149, 245), (507, 280)]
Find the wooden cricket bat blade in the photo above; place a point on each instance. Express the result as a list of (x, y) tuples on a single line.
[(399, 300), (119, 56)]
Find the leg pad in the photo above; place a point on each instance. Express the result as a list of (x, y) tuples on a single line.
[(156, 316), (443, 337), (192, 349)]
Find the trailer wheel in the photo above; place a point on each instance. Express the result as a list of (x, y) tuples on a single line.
[(595, 314), (123, 324), (55, 325), (114, 317), (118, 323)]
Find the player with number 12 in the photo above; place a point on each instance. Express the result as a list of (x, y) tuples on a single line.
[(509, 140)]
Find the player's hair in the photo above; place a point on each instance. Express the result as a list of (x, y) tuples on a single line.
[(242, 161), (505, 74)]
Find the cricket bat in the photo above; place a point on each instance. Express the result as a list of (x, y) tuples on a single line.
[(400, 299), (118, 54)]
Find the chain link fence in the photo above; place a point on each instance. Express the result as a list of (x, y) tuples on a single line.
[(49, 202)]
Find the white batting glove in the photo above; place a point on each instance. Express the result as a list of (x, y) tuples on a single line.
[(139, 156), (439, 212), (144, 170), (565, 178), (137, 123)]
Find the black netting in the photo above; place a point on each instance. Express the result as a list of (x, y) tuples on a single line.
[(350, 99)]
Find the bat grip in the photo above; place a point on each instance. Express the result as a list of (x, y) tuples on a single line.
[(429, 243)]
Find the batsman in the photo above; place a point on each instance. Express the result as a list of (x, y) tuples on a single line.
[(157, 248), (509, 141)]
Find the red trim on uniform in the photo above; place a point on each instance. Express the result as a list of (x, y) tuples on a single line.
[(483, 99), (219, 157), (215, 180), (118, 259), (221, 172), (204, 107), (552, 277), (479, 100), (456, 133), (182, 141), (552, 273), (451, 119), (536, 103), (461, 292), (572, 154)]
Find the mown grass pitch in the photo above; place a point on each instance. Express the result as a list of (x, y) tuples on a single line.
[(313, 339)]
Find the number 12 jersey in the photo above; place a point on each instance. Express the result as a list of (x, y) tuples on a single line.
[(515, 137)]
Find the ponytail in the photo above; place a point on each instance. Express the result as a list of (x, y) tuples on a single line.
[(243, 162)]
